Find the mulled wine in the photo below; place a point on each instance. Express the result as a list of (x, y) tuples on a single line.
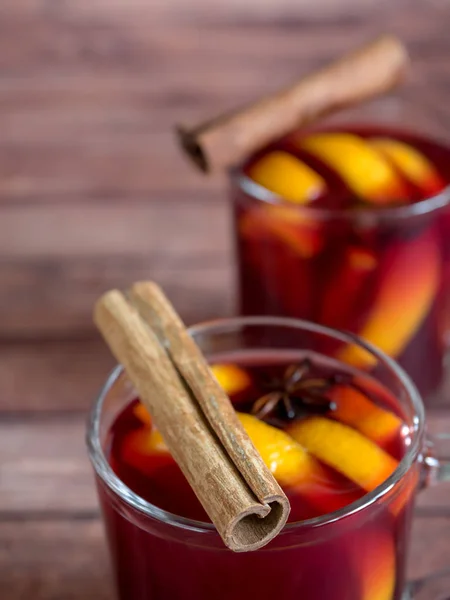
[(349, 228), (330, 435)]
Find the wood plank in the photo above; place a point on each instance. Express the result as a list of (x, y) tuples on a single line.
[(56, 260), (109, 47), (177, 9), (165, 230), (67, 559), (113, 40), (52, 375), (53, 298), (42, 455), (223, 57), (58, 255), (436, 498), (44, 467), (68, 112), (89, 104), (54, 560), (430, 549), (174, 67), (86, 122), (98, 169), (111, 161), (224, 11)]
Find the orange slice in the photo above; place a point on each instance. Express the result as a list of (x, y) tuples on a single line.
[(142, 414), (364, 170), (231, 378), (145, 450), (375, 561), (287, 460), (288, 177), (410, 280), (353, 274), (345, 450), (355, 409), (147, 440), (404, 491), (297, 230), (411, 163), (361, 259)]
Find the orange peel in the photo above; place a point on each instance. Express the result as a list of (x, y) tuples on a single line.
[(298, 231), (363, 169), (353, 274), (413, 272), (288, 177), (411, 163), (404, 491), (142, 443), (355, 409), (287, 460), (345, 450), (376, 563), (142, 414), (232, 379)]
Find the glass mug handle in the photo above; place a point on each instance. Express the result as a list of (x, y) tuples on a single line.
[(436, 463)]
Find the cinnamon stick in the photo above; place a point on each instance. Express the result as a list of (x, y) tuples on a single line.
[(194, 416), (227, 139)]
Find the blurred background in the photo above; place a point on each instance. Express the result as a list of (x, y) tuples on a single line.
[(94, 192)]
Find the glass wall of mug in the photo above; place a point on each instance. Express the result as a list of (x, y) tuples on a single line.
[(358, 552), (380, 272)]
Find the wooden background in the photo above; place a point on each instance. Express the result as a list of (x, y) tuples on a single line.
[(94, 194)]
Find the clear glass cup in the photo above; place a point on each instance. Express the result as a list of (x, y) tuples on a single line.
[(382, 273), (356, 553)]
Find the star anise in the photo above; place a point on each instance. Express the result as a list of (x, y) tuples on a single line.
[(298, 393)]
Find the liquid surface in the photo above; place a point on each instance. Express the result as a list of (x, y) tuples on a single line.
[(328, 437), (351, 168)]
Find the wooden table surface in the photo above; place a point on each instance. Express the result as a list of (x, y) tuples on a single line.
[(94, 194)]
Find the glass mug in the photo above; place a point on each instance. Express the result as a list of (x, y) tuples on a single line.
[(382, 273), (356, 553)]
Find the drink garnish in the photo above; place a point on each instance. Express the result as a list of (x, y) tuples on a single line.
[(225, 140), (193, 416), (345, 450), (298, 393)]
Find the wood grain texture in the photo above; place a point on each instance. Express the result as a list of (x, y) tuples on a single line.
[(44, 467), (177, 9), (50, 281), (53, 559), (46, 299), (48, 375), (432, 534), (92, 186), (94, 88)]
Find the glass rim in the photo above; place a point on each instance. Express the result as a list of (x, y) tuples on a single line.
[(261, 194), (114, 483), (428, 205)]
